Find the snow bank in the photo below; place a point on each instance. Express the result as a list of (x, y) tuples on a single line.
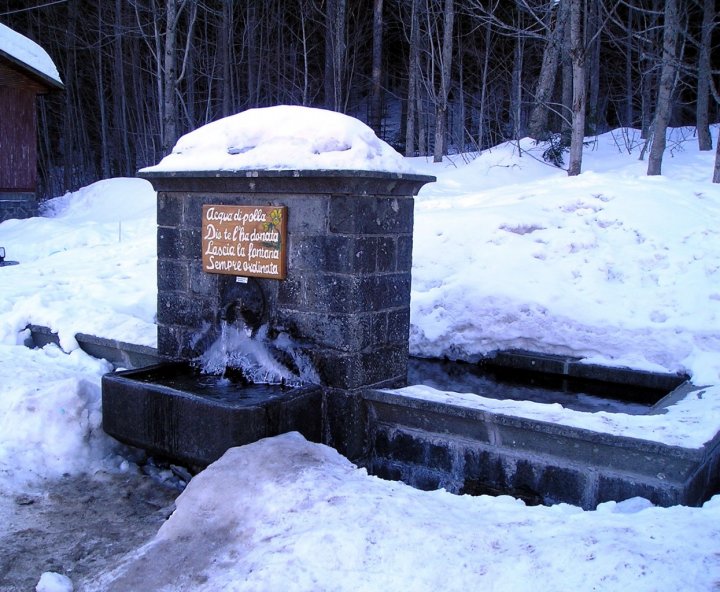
[(54, 582), (88, 266), (50, 414), (28, 52), (282, 138), (301, 516), (615, 267)]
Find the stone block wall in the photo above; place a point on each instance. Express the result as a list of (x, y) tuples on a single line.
[(17, 205)]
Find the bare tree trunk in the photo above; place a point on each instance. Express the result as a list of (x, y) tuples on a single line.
[(666, 87), (483, 87), (629, 90), (329, 75), (413, 67), (567, 92), (704, 74), (186, 74), (143, 110), (422, 121), (253, 67), (339, 54), (335, 50), (716, 172), (305, 54), (538, 124), (516, 86), (120, 120), (375, 118), (592, 68), (445, 70), (440, 132), (648, 77), (102, 103), (190, 75), (646, 102), (169, 118), (158, 80), (577, 53), (457, 106), (225, 51), (70, 89)]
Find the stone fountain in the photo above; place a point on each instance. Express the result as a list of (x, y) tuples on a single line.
[(315, 266), (334, 282)]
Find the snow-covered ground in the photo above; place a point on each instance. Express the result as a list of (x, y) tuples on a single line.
[(611, 266), (301, 517)]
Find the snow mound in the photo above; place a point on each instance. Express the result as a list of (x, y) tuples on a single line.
[(299, 516), (51, 422), (283, 138), (28, 52), (88, 265), (108, 200), (612, 266)]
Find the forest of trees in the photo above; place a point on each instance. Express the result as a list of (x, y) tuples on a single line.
[(430, 76)]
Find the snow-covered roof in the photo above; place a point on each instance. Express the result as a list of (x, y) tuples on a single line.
[(283, 138), (29, 55)]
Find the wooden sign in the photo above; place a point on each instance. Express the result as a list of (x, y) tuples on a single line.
[(244, 240)]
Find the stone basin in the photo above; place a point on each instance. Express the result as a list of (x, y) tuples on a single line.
[(173, 411), (451, 444)]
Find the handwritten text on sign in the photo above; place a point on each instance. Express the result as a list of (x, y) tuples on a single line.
[(244, 240)]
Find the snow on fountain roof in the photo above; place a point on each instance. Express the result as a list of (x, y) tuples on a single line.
[(282, 138), (29, 54)]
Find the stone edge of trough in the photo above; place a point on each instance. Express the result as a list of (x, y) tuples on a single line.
[(119, 353), (132, 356)]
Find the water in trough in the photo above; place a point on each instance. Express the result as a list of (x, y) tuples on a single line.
[(500, 382)]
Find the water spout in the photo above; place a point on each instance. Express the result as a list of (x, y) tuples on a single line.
[(236, 312), (248, 312), (228, 313)]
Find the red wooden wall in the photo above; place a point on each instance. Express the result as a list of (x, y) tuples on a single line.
[(18, 140)]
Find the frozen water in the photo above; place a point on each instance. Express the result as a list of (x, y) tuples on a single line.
[(257, 356)]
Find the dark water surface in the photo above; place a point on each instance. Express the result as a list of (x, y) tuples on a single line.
[(232, 388), (487, 380), (496, 382)]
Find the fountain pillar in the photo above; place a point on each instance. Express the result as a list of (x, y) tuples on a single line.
[(345, 295)]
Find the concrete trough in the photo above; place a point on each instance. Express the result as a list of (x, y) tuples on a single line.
[(157, 409), (470, 451), (166, 410)]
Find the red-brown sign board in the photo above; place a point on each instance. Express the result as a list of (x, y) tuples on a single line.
[(245, 241)]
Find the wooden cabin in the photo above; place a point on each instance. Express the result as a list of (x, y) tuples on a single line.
[(22, 78)]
